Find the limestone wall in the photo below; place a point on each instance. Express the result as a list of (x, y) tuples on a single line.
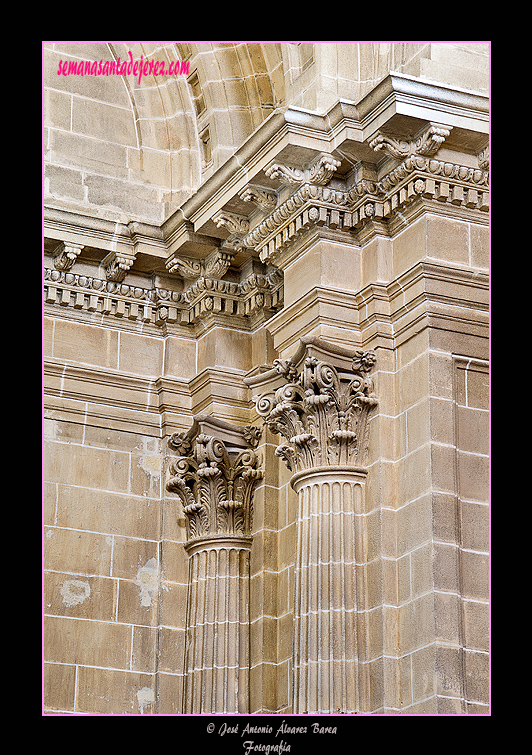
[(340, 204)]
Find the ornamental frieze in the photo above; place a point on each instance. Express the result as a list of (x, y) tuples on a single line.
[(256, 296), (418, 177)]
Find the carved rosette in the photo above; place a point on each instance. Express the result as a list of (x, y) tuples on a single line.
[(215, 487), (321, 412)]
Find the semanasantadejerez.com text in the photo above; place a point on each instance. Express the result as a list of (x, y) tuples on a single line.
[(130, 67)]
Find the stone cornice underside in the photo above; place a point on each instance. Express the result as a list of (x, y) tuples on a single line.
[(418, 184), (299, 174)]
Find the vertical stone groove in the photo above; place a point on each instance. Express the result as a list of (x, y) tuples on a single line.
[(217, 648)]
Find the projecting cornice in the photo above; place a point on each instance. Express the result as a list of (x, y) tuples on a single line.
[(320, 141), (358, 170), (417, 178)]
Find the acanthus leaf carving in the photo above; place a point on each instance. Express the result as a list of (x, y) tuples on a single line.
[(368, 201), (266, 199), (320, 412), (186, 267), (322, 171), (238, 227), (66, 254), (215, 483), (318, 174), (233, 222), (117, 265), (217, 263), (425, 144), (190, 268), (484, 158)]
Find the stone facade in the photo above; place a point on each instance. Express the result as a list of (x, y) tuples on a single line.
[(266, 345)]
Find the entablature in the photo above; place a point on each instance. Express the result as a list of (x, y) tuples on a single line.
[(334, 145), (359, 170)]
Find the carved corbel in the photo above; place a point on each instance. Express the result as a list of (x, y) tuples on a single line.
[(266, 199), (426, 143), (214, 266), (484, 158), (66, 254), (117, 265), (238, 227), (234, 223), (318, 174), (187, 267), (217, 263)]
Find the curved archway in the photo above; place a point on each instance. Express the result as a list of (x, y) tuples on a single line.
[(114, 144), (141, 146), (234, 87)]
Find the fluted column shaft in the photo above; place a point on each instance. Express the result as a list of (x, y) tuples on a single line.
[(217, 641), (215, 477), (325, 644)]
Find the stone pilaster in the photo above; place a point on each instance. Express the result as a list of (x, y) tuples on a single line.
[(215, 478), (321, 410)]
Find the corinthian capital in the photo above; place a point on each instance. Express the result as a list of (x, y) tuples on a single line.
[(321, 412), (215, 481)]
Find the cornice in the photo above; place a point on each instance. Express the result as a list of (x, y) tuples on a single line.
[(264, 204), (346, 128), (417, 177), (402, 94)]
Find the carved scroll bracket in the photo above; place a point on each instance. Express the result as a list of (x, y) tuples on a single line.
[(425, 143), (214, 266), (319, 173), (117, 265), (238, 227), (65, 254)]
